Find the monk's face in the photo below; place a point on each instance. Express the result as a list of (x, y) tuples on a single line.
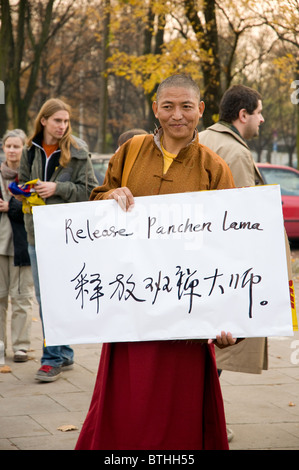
[(178, 111)]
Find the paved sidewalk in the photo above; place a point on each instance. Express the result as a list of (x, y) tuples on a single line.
[(31, 412), (262, 410)]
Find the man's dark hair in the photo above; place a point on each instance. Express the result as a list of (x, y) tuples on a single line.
[(236, 98), (179, 80), (129, 134)]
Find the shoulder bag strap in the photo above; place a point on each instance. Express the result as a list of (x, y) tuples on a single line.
[(132, 154)]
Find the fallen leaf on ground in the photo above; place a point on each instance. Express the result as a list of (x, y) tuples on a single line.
[(5, 369), (67, 427)]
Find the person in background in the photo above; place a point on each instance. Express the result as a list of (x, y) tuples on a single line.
[(15, 272), (240, 117), (62, 165), (129, 134), (161, 394)]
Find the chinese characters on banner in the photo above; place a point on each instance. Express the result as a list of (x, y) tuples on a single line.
[(177, 266)]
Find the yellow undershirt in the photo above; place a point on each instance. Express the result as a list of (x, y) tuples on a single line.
[(168, 158)]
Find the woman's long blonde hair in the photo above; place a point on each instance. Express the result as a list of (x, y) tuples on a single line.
[(49, 108)]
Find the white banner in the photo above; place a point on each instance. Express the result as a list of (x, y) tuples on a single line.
[(177, 266)]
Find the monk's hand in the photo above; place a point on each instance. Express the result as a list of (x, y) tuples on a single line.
[(124, 198), (223, 340)]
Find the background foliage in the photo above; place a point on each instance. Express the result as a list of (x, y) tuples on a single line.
[(106, 58)]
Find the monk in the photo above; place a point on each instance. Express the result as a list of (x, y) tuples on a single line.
[(161, 395)]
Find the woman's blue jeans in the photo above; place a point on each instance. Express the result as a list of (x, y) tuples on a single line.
[(54, 356)]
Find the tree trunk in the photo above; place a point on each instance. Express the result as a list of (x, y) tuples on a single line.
[(6, 55), (156, 49), (207, 36), (12, 54), (103, 88)]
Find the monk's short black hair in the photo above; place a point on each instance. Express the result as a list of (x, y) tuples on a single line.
[(178, 80)]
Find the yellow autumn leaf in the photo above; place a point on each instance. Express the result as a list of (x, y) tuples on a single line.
[(5, 369), (67, 427)]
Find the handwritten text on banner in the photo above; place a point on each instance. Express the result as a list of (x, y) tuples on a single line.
[(177, 266)]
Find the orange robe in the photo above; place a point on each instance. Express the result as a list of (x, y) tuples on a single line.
[(158, 395)]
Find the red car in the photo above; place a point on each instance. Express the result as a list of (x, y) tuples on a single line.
[(288, 179)]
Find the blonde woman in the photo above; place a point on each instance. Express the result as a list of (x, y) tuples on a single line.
[(15, 273), (63, 167)]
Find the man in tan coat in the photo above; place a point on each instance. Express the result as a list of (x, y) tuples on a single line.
[(240, 116)]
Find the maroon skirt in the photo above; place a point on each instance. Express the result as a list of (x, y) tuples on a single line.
[(159, 395)]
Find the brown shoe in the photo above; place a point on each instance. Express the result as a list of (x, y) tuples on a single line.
[(20, 356)]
